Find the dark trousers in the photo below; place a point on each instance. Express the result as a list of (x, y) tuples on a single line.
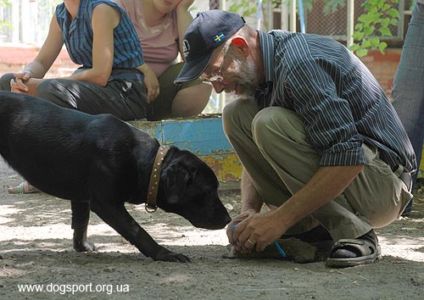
[(408, 87), (125, 99)]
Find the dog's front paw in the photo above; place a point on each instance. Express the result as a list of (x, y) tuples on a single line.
[(85, 246), (166, 255)]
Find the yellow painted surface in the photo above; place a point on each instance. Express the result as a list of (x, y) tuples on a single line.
[(226, 166)]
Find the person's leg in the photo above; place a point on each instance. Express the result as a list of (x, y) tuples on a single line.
[(408, 87), (186, 100), (191, 101), (121, 98), (23, 187), (237, 120), (374, 199), (124, 99)]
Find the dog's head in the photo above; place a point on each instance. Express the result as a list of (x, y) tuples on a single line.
[(188, 187)]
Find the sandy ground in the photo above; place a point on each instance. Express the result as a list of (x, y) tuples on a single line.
[(36, 248)]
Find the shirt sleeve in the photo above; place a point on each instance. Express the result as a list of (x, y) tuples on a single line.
[(121, 3), (328, 120)]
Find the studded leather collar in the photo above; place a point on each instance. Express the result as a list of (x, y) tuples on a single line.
[(153, 188)]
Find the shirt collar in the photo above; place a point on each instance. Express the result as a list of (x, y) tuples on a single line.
[(82, 8), (267, 49), (263, 92)]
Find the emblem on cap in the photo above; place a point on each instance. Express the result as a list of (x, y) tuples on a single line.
[(186, 48), (218, 37)]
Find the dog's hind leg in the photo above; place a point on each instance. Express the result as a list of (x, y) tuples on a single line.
[(119, 219), (80, 218)]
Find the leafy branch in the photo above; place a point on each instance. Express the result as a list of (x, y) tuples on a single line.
[(3, 23), (373, 25)]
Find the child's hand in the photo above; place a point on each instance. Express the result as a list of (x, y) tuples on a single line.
[(18, 85), (151, 82)]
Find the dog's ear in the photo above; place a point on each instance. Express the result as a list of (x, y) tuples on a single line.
[(177, 178), (190, 174)]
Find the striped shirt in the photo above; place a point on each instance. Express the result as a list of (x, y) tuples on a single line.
[(78, 38), (340, 102)]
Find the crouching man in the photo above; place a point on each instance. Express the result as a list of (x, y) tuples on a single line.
[(318, 139)]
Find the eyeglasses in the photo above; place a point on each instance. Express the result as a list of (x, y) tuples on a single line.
[(215, 76)]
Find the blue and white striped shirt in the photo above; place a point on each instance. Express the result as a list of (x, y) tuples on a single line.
[(339, 100), (78, 38)]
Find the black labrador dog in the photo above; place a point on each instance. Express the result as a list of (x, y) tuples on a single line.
[(99, 162)]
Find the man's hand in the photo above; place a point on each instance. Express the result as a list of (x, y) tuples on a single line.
[(18, 85), (235, 221), (258, 231)]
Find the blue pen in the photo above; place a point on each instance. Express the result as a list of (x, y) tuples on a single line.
[(280, 249), (233, 228)]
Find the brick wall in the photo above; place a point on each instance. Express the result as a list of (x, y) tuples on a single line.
[(13, 59), (383, 67)]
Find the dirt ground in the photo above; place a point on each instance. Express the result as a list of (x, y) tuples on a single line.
[(36, 249)]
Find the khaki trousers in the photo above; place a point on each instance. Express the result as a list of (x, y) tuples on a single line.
[(272, 146)]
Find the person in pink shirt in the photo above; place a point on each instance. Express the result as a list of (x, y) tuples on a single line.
[(160, 25)]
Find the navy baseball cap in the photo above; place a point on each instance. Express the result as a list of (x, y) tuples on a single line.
[(208, 30)]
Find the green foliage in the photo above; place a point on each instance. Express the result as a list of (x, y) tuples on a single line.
[(43, 5), (4, 3), (373, 24), (243, 7)]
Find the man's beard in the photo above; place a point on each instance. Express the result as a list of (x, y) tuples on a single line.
[(247, 79)]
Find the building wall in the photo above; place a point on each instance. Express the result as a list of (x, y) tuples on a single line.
[(13, 59), (383, 67)]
